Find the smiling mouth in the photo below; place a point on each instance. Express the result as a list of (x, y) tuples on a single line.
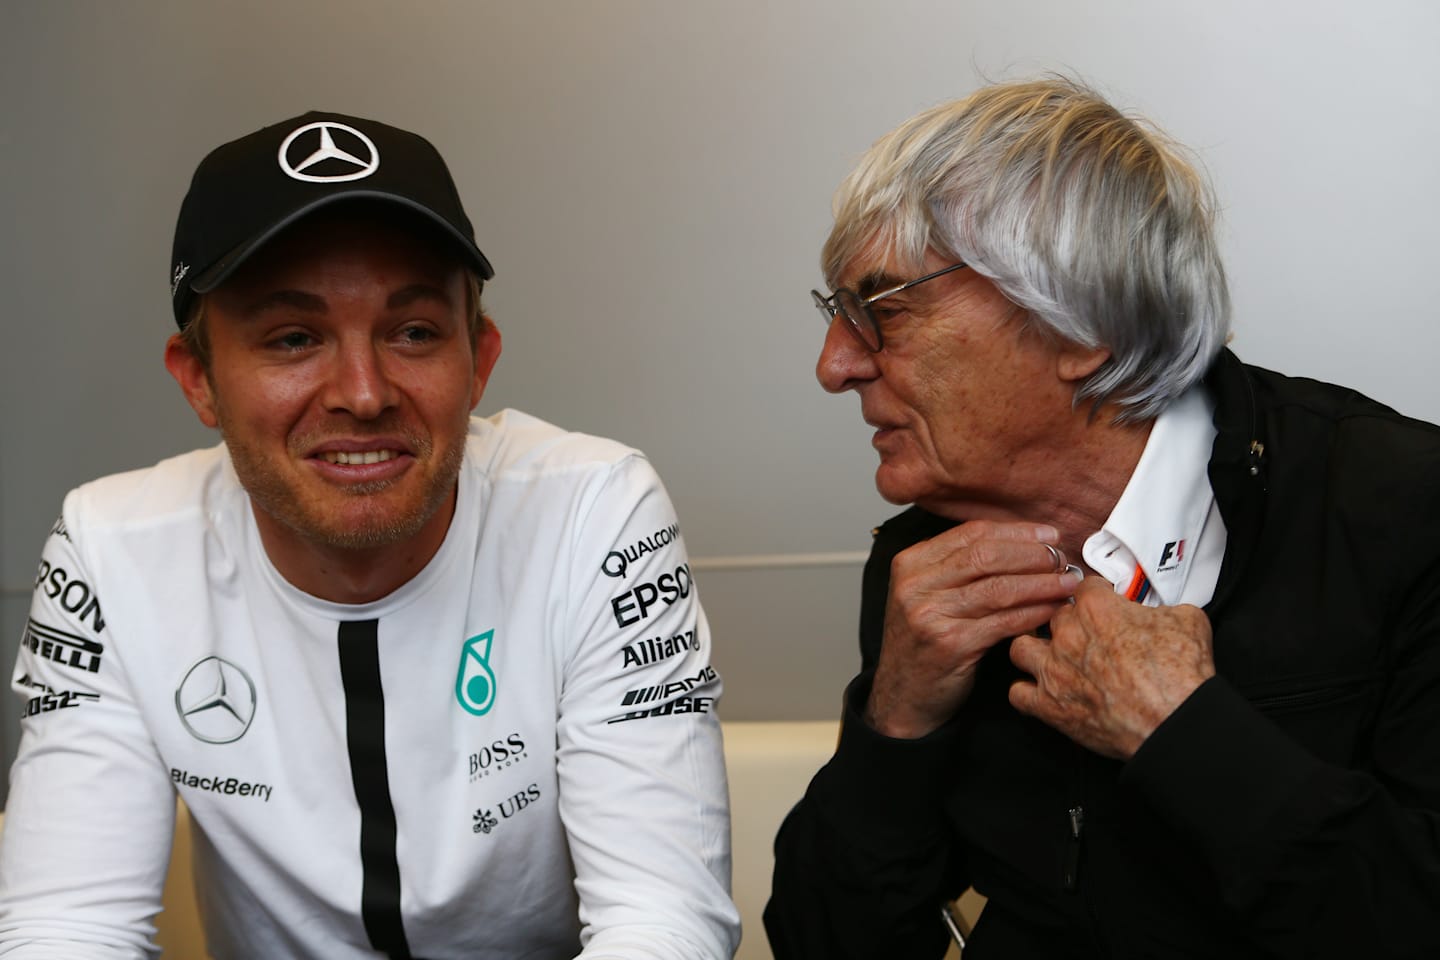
[(358, 457)]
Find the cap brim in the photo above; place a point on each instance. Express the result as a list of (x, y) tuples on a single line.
[(221, 270)]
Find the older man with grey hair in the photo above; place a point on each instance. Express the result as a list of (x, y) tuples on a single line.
[(1153, 660)]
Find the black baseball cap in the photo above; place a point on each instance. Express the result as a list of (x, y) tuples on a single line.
[(248, 190)]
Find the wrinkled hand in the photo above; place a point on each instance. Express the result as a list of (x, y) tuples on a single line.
[(951, 599), (1112, 670)]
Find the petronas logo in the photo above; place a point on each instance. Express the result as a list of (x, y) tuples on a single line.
[(475, 683)]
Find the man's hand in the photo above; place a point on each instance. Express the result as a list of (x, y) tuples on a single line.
[(1112, 670), (951, 599)]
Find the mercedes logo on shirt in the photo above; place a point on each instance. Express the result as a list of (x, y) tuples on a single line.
[(328, 152), (216, 701)]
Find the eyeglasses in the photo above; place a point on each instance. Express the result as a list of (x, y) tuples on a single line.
[(847, 303)]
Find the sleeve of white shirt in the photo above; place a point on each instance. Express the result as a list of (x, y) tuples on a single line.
[(90, 816), (641, 768)]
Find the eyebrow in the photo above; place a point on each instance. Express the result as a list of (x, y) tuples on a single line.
[(418, 291), (312, 303), (294, 299), (874, 282)]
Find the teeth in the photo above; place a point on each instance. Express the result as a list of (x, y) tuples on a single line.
[(369, 456)]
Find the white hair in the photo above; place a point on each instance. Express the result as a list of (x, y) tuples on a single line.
[(1092, 222)]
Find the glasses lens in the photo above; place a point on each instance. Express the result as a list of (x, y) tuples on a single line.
[(860, 322)]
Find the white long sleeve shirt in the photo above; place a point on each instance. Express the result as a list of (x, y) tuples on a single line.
[(516, 754)]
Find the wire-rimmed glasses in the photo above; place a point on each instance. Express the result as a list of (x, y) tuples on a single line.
[(856, 311)]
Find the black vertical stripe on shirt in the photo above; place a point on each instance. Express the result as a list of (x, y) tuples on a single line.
[(365, 738)]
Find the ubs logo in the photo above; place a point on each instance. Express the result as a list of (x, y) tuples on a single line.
[(216, 701), (484, 819)]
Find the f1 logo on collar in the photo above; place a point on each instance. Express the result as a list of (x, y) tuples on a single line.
[(352, 155), (1172, 556)]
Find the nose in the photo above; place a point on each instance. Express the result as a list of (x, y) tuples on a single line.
[(844, 361), (358, 382)]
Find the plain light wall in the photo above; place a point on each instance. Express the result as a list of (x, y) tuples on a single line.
[(652, 181)]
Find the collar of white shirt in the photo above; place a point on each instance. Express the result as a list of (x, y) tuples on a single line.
[(1166, 521)]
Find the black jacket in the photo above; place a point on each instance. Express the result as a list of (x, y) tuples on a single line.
[(1289, 808)]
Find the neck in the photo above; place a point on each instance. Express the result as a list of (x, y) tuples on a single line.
[(351, 574), (1072, 484)]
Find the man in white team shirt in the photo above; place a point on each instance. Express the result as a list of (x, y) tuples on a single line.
[(431, 685)]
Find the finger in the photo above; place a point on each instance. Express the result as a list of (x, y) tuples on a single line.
[(1097, 603), (1025, 697), (1057, 557), (991, 557), (1064, 620), (958, 540), (1017, 556), (1097, 586), (996, 593), (993, 577), (1076, 637), (988, 558), (974, 530), (1027, 652), (1051, 673), (1021, 602), (951, 547), (965, 639)]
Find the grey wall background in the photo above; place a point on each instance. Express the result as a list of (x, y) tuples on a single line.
[(652, 182)]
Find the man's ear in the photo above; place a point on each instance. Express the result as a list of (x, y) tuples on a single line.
[(1074, 363), (190, 373), (487, 351)]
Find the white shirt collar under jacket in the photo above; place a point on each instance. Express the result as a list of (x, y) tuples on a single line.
[(1167, 520)]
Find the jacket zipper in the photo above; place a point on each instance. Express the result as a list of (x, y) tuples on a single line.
[(1075, 817), (1070, 877)]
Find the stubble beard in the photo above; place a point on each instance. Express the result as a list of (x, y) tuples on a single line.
[(275, 493)]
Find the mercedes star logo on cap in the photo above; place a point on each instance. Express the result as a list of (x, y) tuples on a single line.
[(216, 701), (355, 156)]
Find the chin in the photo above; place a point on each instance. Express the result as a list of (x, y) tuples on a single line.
[(897, 488)]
